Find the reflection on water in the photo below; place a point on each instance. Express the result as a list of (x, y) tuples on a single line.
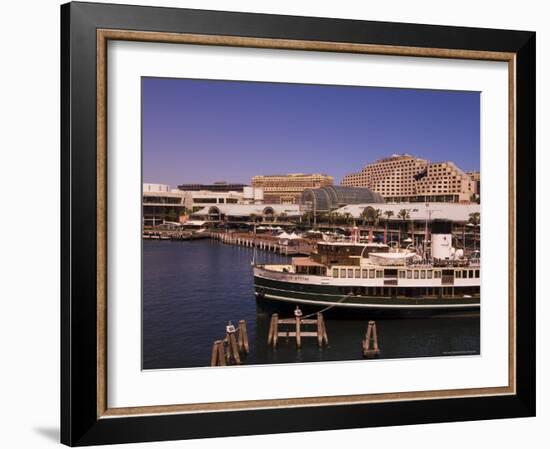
[(191, 289)]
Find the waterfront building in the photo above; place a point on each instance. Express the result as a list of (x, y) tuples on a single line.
[(249, 212), (476, 179), (161, 204), (287, 189), (407, 178), (416, 212), (197, 199), (326, 199), (220, 186), (415, 220)]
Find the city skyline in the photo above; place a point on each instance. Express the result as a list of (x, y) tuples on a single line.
[(205, 131)]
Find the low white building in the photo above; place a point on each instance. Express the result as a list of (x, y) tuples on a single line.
[(457, 212), (265, 212)]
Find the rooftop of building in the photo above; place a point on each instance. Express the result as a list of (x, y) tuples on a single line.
[(244, 210), (293, 175), (417, 211), (331, 197)]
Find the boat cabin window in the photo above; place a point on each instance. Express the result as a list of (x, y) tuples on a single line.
[(409, 274), (379, 273), (401, 274), (310, 270), (350, 272), (430, 274), (477, 273), (365, 273), (458, 274), (335, 272), (437, 274), (343, 273), (416, 274), (357, 273), (423, 274), (470, 273), (371, 274)]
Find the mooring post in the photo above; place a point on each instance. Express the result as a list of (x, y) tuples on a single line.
[(320, 329), (215, 353), (298, 316), (275, 329), (375, 338), (325, 335), (270, 332), (243, 337), (221, 354), (371, 335), (232, 342)]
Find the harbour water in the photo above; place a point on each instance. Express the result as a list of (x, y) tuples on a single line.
[(192, 288)]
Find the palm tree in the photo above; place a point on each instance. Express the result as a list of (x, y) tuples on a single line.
[(347, 217), (404, 215), (388, 214), (365, 216), (474, 220), (377, 215)]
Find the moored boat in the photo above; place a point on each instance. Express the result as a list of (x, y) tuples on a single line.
[(373, 276)]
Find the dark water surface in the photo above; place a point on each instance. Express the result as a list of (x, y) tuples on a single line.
[(191, 289)]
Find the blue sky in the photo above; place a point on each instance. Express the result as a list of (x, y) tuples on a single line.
[(201, 131)]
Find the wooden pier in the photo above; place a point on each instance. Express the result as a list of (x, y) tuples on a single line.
[(265, 243), (229, 350), (371, 337), (296, 330)]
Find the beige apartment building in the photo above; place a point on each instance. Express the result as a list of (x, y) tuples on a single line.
[(287, 189), (405, 178), (476, 178)]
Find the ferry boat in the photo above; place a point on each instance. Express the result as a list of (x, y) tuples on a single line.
[(374, 276)]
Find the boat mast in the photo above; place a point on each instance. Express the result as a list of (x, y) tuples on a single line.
[(253, 262)]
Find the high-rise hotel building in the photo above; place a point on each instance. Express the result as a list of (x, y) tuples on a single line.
[(287, 189), (402, 178)]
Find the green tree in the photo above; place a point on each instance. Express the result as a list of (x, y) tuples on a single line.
[(404, 215), (474, 220), (388, 214), (347, 218)]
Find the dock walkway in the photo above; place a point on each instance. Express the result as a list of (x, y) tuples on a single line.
[(264, 242)]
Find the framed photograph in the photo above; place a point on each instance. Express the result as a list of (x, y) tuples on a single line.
[(282, 224)]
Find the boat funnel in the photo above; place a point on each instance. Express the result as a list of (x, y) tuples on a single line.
[(442, 238)]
